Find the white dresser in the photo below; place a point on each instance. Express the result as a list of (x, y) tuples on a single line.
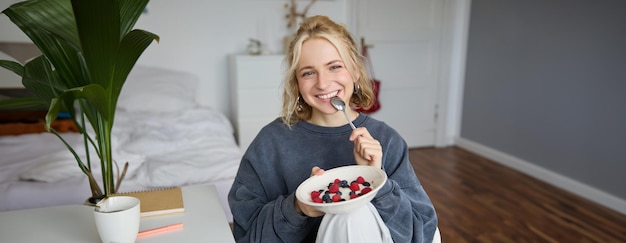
[(256, 93)]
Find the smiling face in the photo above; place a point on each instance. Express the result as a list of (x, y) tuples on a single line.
[(321, 75)]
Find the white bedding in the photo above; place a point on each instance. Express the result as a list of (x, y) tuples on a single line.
[(167, 139)]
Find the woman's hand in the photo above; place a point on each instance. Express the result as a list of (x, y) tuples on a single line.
[(306, 209), (367, 150)]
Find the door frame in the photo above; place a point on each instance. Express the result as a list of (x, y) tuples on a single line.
[(455, 17)]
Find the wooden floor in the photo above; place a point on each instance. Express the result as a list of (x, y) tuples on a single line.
[(478, 200)]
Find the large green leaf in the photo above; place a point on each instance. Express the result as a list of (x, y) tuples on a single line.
[(111, 52), (132, 46), (130, 11), (94, 94), (52, 28), (15, 67), (22, 103), (55, 17), (99, 47), (40, 78)]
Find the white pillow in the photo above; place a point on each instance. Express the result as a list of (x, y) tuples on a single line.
[(157, 90)]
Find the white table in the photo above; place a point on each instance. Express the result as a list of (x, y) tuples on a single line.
[(203, 220)]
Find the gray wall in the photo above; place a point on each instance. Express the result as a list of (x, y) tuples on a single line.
[(546, 82)]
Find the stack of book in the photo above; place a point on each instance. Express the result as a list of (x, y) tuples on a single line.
[(159, 202)]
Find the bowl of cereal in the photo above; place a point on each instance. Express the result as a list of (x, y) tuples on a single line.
[(343, 189)]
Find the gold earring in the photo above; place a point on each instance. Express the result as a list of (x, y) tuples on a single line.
[(298, 104), (357, 90)]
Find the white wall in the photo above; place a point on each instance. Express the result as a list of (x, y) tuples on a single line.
[(544, 92), (199, 35), (8, 31)]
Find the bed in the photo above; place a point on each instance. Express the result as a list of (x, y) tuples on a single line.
[(167, 138)]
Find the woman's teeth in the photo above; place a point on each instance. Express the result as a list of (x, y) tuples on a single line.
[(328, 96)]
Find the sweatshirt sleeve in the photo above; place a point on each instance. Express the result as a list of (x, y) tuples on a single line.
[(402, 202), (260, 219)]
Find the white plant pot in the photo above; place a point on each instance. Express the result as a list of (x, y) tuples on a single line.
[(117, 219)]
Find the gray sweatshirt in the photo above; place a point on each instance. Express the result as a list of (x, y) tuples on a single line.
[(279, 159)]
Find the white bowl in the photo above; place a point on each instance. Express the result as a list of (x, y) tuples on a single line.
[(376, 177)]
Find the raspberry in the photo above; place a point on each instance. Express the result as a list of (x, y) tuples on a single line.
[(360, 180), (366, 190), (354, 186), (317, 200), (334, 188), (315, 194), (336, 198)]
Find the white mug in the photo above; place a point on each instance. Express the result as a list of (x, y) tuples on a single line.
[(117, 219)]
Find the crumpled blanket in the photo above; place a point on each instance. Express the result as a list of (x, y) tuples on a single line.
[(197, 143)]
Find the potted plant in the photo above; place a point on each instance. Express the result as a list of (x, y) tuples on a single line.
[(88, 49)]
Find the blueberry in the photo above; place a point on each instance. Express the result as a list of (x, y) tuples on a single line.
[(344, 184)]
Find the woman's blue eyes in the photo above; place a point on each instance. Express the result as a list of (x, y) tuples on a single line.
[(309, 73)]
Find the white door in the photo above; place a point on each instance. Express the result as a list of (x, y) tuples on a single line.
[(405, 38)]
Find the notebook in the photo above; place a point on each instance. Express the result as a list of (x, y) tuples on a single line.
[(159, 202)]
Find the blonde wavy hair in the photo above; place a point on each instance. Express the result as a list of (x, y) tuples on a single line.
[(294, 107)]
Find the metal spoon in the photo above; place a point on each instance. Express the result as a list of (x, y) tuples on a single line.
[(341, 106)]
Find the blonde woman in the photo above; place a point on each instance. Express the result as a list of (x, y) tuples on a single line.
[(311, 135)]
